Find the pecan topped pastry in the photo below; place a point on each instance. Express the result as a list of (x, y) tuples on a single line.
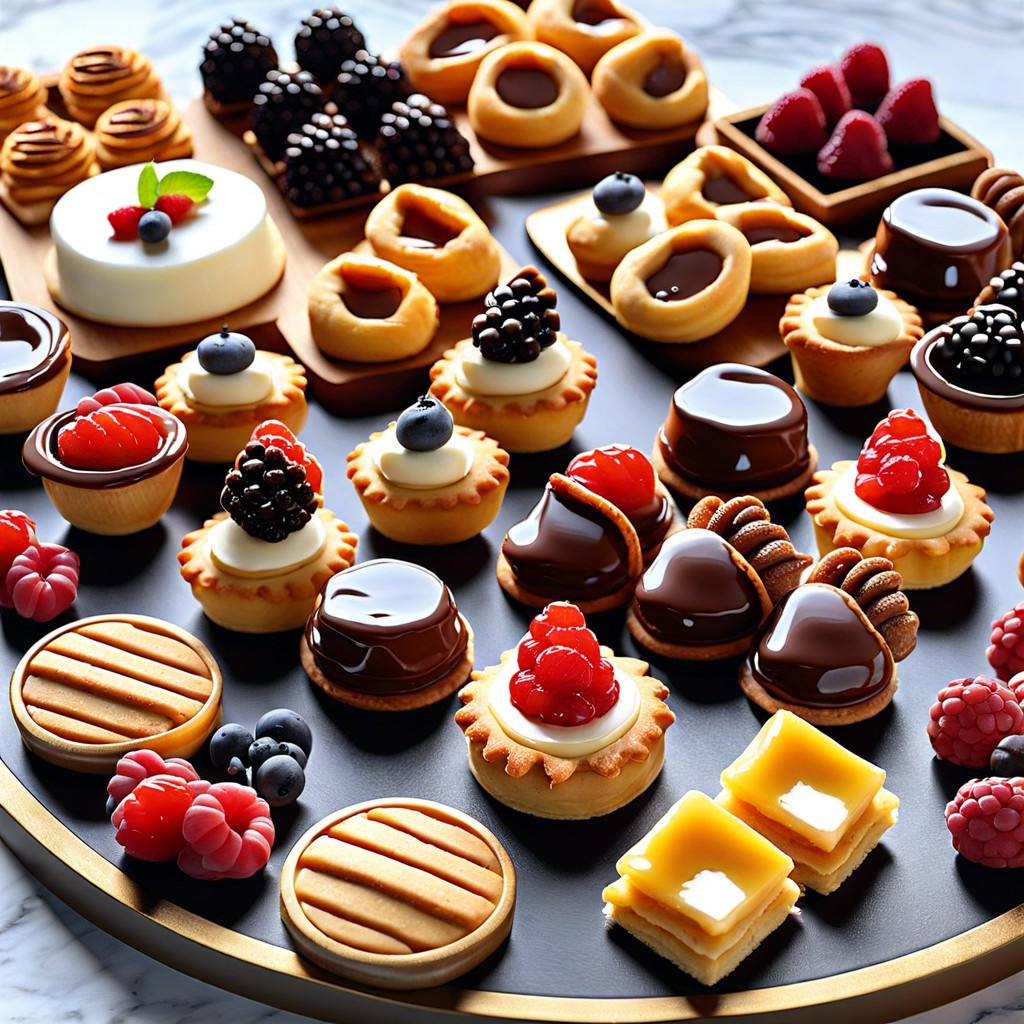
[(22, 98), (135, 131), (95, 79)]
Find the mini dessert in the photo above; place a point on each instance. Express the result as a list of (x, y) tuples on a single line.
[(938, 249), (712, 177), (1005, 289), (828, 650), (1005, 651), (234, 250), (899, 501), (575, 545), (442, 54), (702, 889), (970, 373), (847, 341), (365, 90), (821, 805), (439, 238), (386, 636), (93, 690), (1002, 191), (258, 566), (398, 893), (652, 81), (518, 378), (621, 215), (22, 98), (326, 39), (685, 284), (236, 59), (94, 80), (425, 481), (562, 728), (225, 388), (584, 29), (735, 430), (856, 150), (789, 250), (370, 311), (135, 131), (420, 141), (527, 95), (39, 581), (39, 162), (35, 360), (971, 717), (984, 822), (284, 102)]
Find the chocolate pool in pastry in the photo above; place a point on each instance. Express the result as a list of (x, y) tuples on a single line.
[(35, 360)]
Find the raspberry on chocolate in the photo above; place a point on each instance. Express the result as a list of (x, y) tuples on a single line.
[(986, 823), (1005, 651), (970, 717)]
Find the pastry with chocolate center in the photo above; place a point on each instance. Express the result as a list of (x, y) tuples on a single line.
[(584, 29), (35, 360)]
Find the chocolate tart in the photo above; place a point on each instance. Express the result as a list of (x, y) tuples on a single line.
[(35, 360)]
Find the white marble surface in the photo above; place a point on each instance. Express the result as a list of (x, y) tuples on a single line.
[(54, 965)]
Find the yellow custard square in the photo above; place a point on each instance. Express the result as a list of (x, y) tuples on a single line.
[(793, 774)]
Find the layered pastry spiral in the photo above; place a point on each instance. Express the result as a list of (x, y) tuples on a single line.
[(22, 98), (96, 79), (136, 131)]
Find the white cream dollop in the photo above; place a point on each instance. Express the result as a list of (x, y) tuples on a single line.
[(246, 388), (884, 324), (563, 740), (484, 377), (236, 552), (422, 470), (625, 231)]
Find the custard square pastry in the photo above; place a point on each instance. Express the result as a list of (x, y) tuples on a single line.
[(821, 804), (702, 888)]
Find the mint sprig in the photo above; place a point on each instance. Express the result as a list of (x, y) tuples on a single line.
[(149, 186), (182, 183)]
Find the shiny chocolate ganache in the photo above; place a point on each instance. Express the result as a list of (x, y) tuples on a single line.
[(34, 346)]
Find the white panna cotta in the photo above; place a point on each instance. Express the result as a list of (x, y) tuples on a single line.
[(224, 255)]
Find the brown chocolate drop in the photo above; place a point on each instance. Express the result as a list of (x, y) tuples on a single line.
[(457, 40), (771, 233), (685, 274), (371, 304), (664, 78), (419, 231), (596, 15), (33, 346), (816, 650), (724, 191), (526, 88)]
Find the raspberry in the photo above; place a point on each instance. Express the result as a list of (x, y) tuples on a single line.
[(985, 821), (794, 123), (119, 394), (139, 765), (856, 150), (558, 613), (149, 820), (563, 671), (622, 475), (908, 114), (970, 717), (125, 222), (1005, 651), (275, 433), (112, 437), (17, 534), (175, 206), (866, 71), (830, 87), (227, 833), (43, 582)]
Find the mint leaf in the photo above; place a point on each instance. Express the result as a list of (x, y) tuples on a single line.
[(148, 190), (185, 183)]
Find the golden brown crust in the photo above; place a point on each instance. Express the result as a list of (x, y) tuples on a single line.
[(598, 244), (1002, 190), (554, 23), (22, 98), (136, 131), (95, 79)]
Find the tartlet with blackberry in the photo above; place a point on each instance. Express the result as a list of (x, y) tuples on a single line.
[(419, 141), (236, 59)]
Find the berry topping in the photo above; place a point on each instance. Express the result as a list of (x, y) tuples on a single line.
[(154, 226), (856, 151), (119, 394), (983, 352), (908, 114), (828, 84), (969, 719), (17, 534), (139, 765), (227, 832), (286, 726), (866, 71), (617, 472), (162, 202), (236, 59), (365, 88), (794, 123), (280, 780), (852, 298), (149, 819), (519, 321), (1009, 285), (261, 750), (273, 433), (228, 742), (900, 466), (125, 222), (43, 582), (225, 353), (424, 426), (984, 819), (176, 206), (1005, 651), (619, 194), (418, 141), (111, 437), (282, 105), (327, 39), (1007, 759)]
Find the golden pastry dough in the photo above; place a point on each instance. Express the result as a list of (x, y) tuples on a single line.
[(137, 131), (584, 29), (22, 98), (96, 79)]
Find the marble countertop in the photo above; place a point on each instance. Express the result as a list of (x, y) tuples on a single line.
[(56, 966)]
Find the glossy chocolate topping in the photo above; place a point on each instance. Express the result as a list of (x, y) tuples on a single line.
[(685, 274), (526, 88), (386, 627), (422, 232), (34, 346), (457, 40), (567, 549), (664, 78), (370, 304), (596, 15), (652, 520), (724, 191), (695, 594), (771, 233), (736, 429), (816, 650), (938, 249)]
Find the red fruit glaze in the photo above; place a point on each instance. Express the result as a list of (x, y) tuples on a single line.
[(111, 437), (149, 820), (899, 469), (908, 113), (275, 433), (125, 222), (1005, 651), (856, 151), (228, 833), (131, 394), (17, 534), (43, 582), (970, 717), (986, 822), (795, 123), (866, 71), (176, 207), (622, 475), (828, 84), (138, 765)]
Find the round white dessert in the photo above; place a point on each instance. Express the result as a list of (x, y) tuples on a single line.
[(224, 255)]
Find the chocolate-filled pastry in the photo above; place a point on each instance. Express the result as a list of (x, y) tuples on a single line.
[(98, 78), (22, 98), (137, 131), (35, 360), (584, 29)]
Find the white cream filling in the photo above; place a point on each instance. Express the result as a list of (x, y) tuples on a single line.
[(422, 470), (624, 232), (236, 552), (563, 740), (919, 526), (484, 377), (882, 325), (246, 388)]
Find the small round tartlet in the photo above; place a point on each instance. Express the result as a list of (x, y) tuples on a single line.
[(584, 31), (35, 360)]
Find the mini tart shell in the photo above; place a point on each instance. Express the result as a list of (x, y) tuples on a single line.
[(263, 604), (619, 76), (218, 435), (590, 242), (547, 786), (448, 79), (923, 563), (553, 23), (436, 515), (697, 316), (464, 268), (844, 375)]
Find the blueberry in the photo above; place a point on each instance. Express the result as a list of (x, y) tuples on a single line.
[(111, 807), (619, 193), (231, 740), (424, 426), (852, 298), (262, 750), (1007, 759), (154, 226), (226, 352), (295, 751), (280, 780), (286, 726)]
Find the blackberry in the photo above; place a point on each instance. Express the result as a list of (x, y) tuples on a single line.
[(267, 493), (283, 103), (326, 40), (520, 320), (325, 163), (236, 58), (983, 352), (1009, 288), (418, 141), (365, 88)]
